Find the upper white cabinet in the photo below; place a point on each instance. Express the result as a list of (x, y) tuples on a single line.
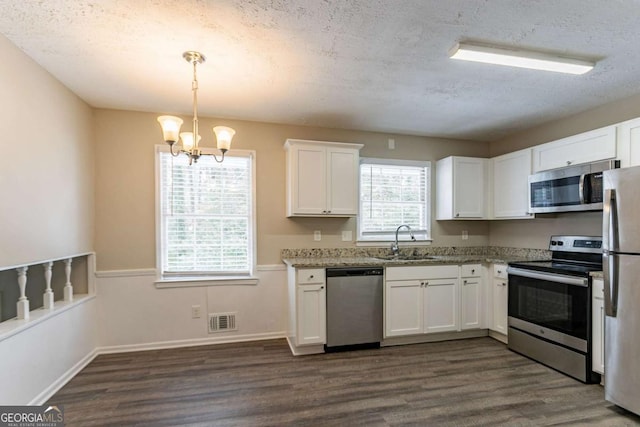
[(322, 178), (460, 188), (592, 146), (629, 143), (511, 186)]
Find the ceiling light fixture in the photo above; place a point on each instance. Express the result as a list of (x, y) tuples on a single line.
[(190, 145), (520, 58)]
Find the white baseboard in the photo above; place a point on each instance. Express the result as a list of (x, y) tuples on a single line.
[(189, 343), (46, 394), (305, 350)]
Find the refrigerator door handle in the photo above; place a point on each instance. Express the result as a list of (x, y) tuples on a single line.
[(609, 226), (610, 273)]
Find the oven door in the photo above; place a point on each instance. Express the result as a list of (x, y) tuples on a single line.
[(551, 306)]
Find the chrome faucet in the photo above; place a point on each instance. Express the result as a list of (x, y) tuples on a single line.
[(394, 246)]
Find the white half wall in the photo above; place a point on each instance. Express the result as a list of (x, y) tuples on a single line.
[(39, 360), (134, 315)]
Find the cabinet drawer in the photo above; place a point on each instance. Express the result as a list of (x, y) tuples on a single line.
[(422, 272), (310, 275), (470, 270), (500, 271), (598, 289)]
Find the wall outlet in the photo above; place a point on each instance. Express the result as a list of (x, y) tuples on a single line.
[(317, 235), (392, 144), (347, 235), (465, 235), (196, 312)]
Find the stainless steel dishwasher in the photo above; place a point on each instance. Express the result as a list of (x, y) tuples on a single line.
[(354, 307)]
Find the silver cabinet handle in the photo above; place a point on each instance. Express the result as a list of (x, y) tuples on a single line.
[(311, 277), (457, 215), (499, 271), (569, 162), (321, 287)]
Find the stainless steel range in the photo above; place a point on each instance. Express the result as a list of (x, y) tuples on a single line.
[(550, 306)]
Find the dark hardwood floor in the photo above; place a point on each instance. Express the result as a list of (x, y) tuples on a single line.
[(475, 382)]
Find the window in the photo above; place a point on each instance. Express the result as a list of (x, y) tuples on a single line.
[(206, 215), (393, 192)]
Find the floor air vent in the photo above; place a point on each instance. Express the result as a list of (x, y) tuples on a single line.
[(220, 322)]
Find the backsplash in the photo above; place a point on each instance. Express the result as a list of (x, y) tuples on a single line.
[(489, 251)]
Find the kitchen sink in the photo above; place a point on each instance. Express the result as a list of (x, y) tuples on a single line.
[(404, 257)]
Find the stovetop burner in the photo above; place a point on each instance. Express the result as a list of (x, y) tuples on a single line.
[(571, 255)]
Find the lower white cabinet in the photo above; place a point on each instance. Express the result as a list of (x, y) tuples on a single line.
[(307, 307), (311, 318), (499, 299), (471, 301), (440, 305), (597, 326), (430, 299)]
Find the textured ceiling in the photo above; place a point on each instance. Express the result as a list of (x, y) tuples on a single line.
[(378, 65)]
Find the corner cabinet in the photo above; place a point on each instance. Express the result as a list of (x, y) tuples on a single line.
[(461, 184), (307, 310), (511, 185), (322, 178)]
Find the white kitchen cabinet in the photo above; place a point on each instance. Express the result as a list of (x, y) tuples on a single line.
[(322, 178), (592, 146), (421, 299), (440, 302), (499, 299), (307, 310), (597, 326), (511, 185), (628, 134), (471, 301), (403, 307), (461, 184)]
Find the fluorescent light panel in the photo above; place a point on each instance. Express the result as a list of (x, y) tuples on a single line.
[(520, 58)]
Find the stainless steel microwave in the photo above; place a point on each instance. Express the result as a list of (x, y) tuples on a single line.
[(574, 188)]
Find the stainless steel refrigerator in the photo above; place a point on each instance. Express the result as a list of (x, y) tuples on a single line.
[(621, 265)]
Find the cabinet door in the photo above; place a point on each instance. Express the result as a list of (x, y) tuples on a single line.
[(342, 181), (468, 187), (629, 143), (440, 312), (592, 146), (311, 314), (470, 307), (511, 186), (597, 324), (500, 304), (403, 308), (308, 183)]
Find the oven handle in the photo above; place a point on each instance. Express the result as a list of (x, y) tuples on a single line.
[(549, 277)]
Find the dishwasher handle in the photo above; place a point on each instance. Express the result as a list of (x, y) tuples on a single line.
[(354, 271)]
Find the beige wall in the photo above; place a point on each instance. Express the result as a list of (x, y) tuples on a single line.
[(535, 233), (46, 165), (125, 191)]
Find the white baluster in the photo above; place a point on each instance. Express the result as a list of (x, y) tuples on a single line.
[(68, 289), (23, 302), (47, 297)]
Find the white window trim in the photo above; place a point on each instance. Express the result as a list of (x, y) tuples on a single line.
[(404, 237), (170, 281)]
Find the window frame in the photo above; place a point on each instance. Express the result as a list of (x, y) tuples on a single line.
[(197, 279), (403, 236)]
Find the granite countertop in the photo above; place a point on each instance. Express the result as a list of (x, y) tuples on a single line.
[(379, 257), (597, 274)]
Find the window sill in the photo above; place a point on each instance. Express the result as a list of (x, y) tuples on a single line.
[(385, 243), (191, 282)]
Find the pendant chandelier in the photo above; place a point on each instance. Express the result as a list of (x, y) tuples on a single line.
[(190, 144)]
